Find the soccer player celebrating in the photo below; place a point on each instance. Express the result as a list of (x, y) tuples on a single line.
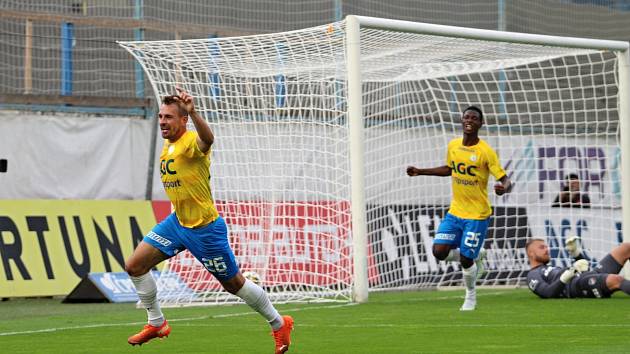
[(576, 281), (469, 162), (194, 225)]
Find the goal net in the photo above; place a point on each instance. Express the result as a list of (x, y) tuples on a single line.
[(314, 190)]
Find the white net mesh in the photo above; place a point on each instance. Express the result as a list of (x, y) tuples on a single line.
[(280, 172)]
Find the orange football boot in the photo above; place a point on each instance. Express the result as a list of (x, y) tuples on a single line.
[(149, 332), (283, 335)]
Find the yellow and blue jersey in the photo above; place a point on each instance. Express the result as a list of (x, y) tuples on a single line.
[(185, 172), (471, 167)]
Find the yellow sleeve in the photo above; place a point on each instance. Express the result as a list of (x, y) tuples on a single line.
[(193, 148), (494, 165)]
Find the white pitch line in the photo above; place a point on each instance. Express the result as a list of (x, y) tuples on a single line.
[(101, 325)]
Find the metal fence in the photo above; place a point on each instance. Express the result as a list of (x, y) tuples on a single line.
[(62, 53)]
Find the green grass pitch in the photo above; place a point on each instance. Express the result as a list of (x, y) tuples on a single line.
[(506, 321)]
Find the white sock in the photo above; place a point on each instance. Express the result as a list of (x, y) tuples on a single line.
[(453, 255), (470, 278), (257, 299), (147, 292)]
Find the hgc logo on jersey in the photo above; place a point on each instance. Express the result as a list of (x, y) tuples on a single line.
[(462, 169), (165, 167)]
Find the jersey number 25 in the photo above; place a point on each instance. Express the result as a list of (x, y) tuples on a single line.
[(472, 239)]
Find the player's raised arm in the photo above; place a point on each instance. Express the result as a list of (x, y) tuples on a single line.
[(441, 171), (205, 137)]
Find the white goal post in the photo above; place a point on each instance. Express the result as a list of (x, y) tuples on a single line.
[(316, 127)]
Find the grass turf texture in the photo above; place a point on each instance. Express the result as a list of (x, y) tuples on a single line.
[(506, 321)]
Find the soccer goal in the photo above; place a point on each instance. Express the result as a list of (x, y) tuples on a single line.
[(315, 128)]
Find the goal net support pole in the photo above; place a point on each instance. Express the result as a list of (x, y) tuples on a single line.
[(357, 158), (624, 122)]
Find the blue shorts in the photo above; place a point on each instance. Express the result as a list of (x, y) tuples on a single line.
[(452, 229), (209, 244)]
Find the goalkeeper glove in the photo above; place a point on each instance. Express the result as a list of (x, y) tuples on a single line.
[(578, 266), (572, 245), (567, 275)]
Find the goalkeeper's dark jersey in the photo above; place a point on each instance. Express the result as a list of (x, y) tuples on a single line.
[(544, 281)]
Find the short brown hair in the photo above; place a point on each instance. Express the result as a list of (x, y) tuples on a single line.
[(174, 99), (532, 240)]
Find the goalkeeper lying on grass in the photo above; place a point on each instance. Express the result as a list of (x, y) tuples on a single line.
[(576, 281)]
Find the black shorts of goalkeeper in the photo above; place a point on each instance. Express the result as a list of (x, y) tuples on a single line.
[(592, 284), (589, 284)]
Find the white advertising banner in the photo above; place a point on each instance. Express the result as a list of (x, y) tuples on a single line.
[(61, 156), (69, 157), (540, 164)]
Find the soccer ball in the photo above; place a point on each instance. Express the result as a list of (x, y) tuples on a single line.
[(252, 276)]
